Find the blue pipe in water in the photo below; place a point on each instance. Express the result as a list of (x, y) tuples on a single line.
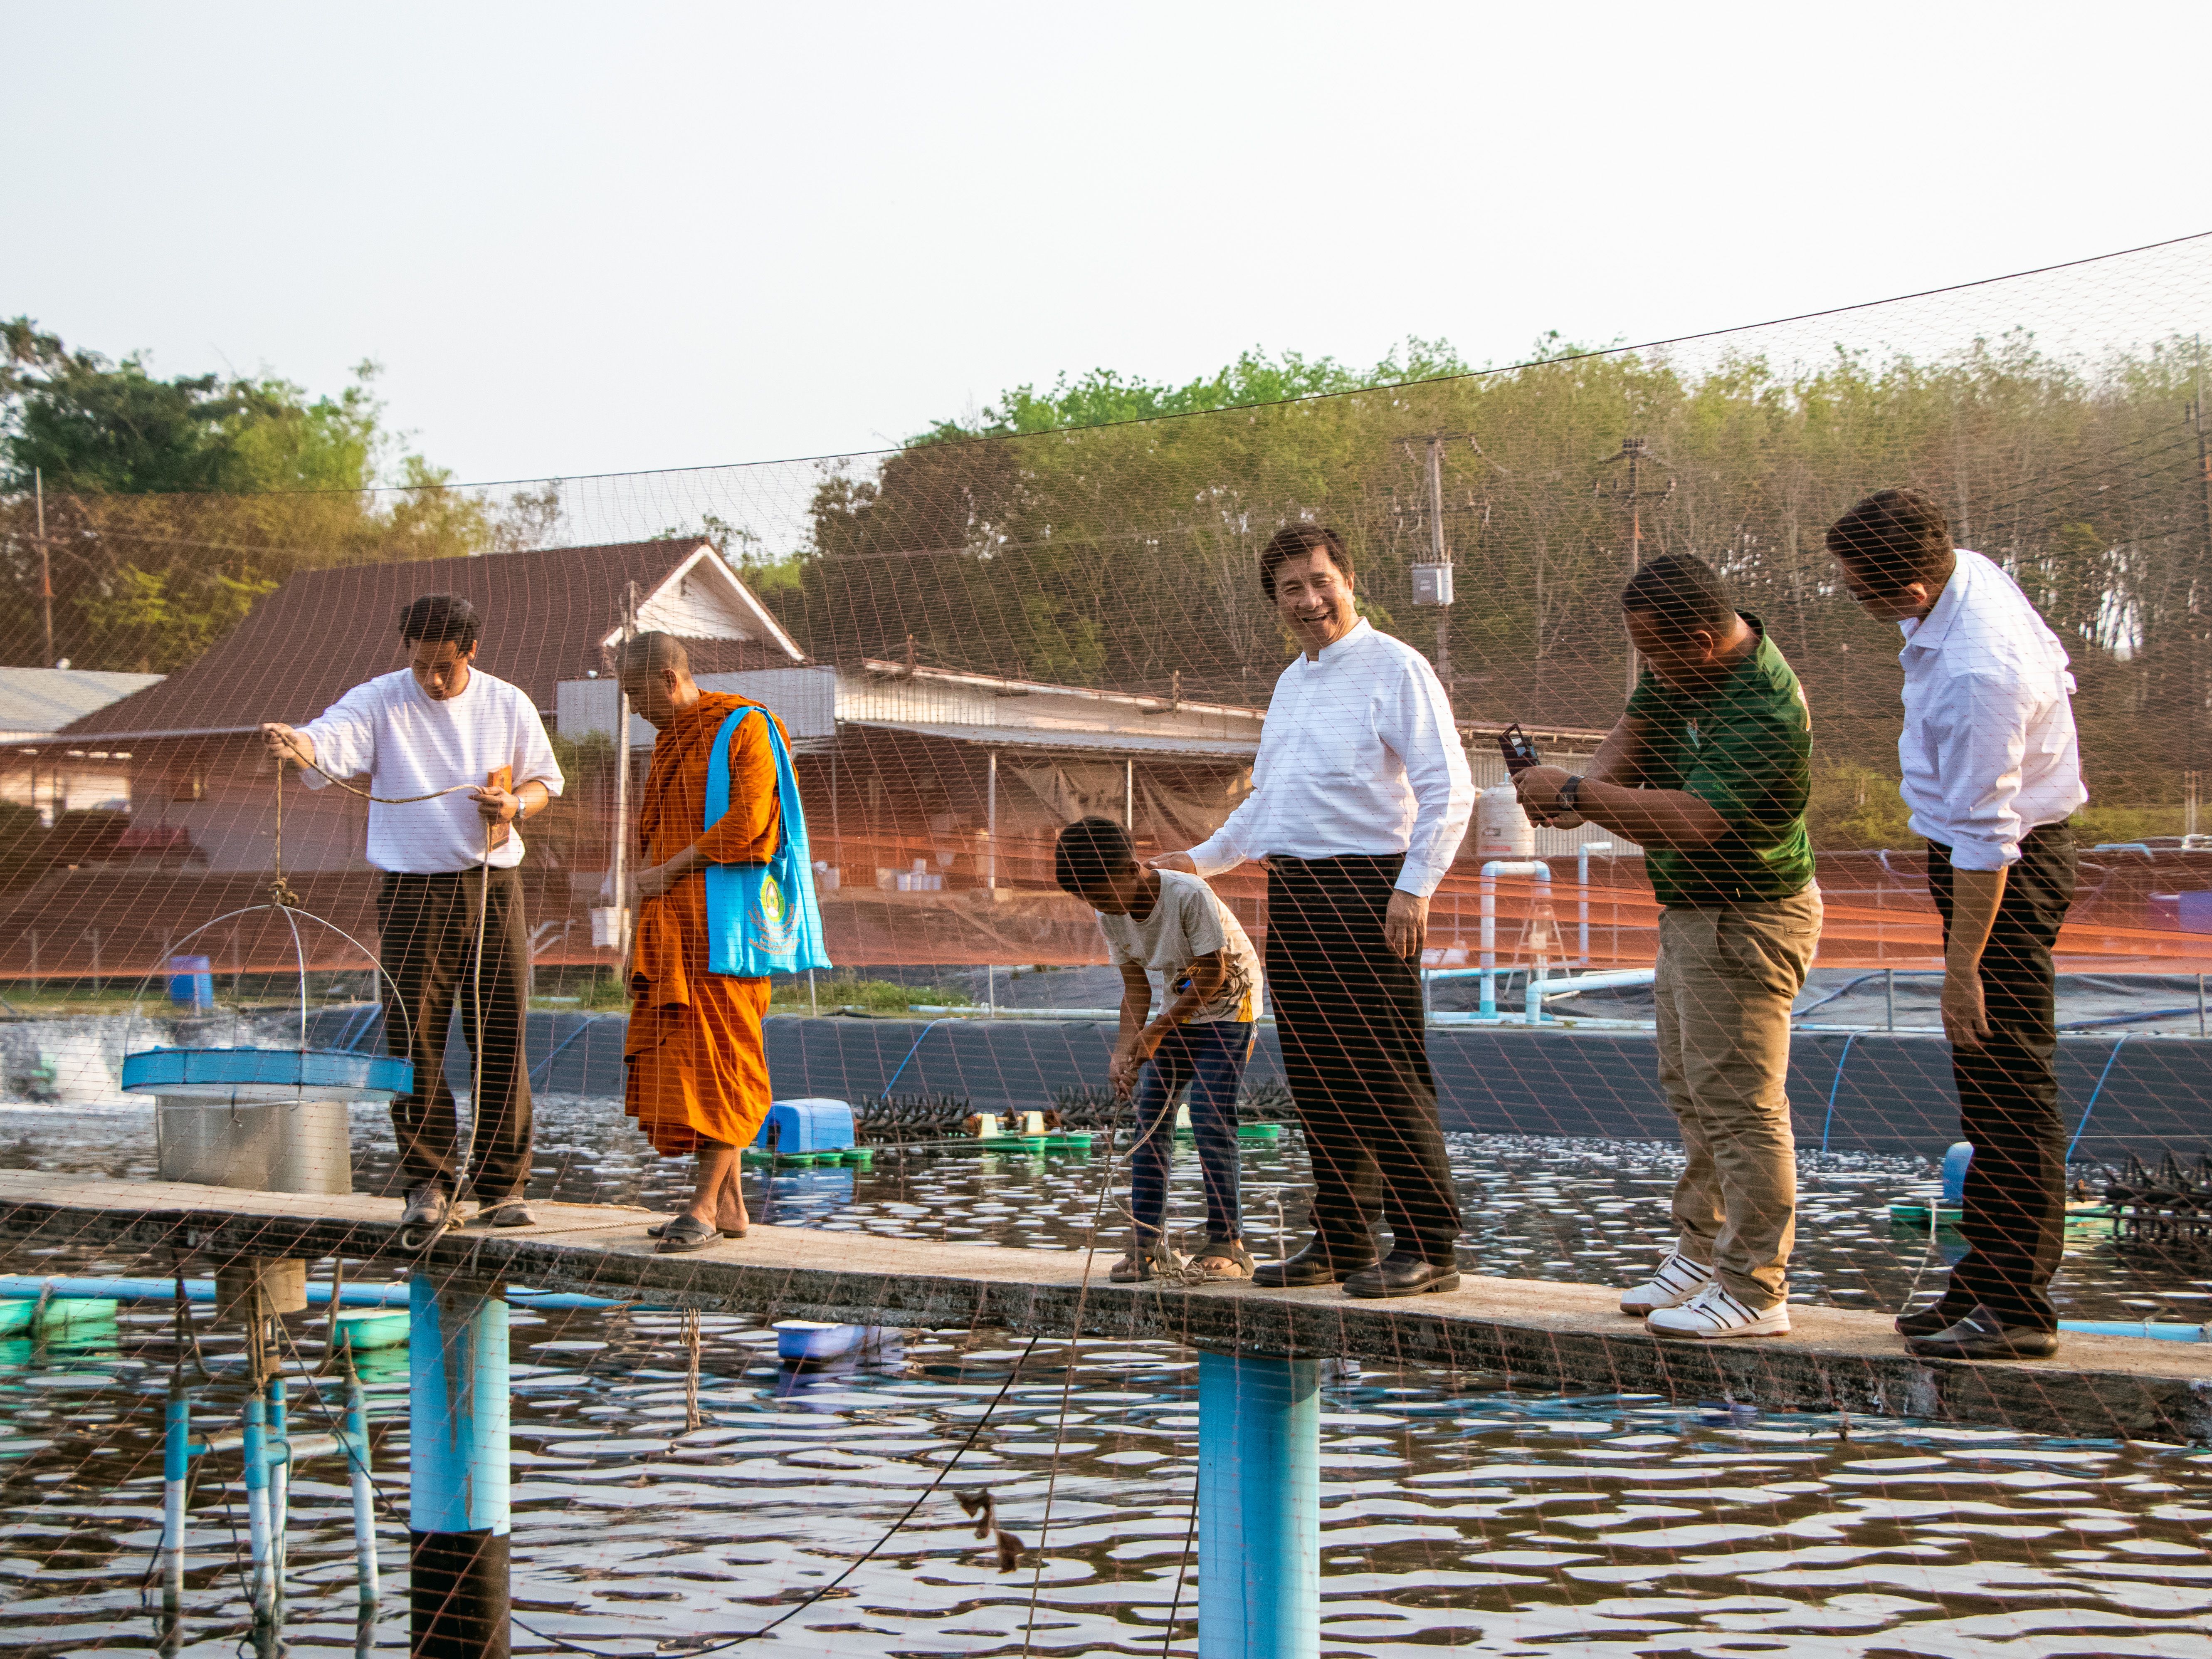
[(256, 1452), (1259, 1508), (280, 1492), (1830, 1117), (457, 1469), (176, 1462), (22, 1286)]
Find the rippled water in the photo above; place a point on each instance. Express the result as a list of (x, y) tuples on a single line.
[(1508, 1523)]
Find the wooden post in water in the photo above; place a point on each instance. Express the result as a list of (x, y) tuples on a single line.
[(457, 1469), (1259, 1507)]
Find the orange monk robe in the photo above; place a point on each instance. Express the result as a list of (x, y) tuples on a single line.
[(697, 1071)]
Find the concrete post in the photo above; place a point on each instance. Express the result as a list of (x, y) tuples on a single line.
[(1259, 1508), (457, 1469)]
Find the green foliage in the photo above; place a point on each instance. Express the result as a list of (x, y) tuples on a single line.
[(180, 612), (1103, 397), (2095, 823), (1856, 806), (874, 995), (172, 504), (1034, 541)]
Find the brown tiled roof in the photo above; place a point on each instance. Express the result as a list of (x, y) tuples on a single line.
[(325, 631)]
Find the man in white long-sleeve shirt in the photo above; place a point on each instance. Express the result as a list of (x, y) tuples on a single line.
[(438, 724), (1360, 797), (1991, 772)]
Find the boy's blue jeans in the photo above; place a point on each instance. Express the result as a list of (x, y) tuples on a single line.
[(1211, 1059)]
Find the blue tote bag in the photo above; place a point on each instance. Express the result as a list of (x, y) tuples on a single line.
[(761, 918)]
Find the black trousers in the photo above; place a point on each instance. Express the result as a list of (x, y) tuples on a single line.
[(428, 939), (2013, 1217), (1348, 1012)]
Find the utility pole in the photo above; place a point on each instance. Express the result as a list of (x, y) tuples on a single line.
[(1636, 451), (1432, 580), (622, 778), (45, 565), (2197, 688)]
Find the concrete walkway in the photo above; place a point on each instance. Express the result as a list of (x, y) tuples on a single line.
[(1526, 1333)]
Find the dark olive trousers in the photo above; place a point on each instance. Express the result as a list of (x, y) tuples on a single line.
[(428, 939), (1355, 1049), (2014, 1216)]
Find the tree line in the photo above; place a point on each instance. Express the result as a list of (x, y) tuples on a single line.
[(1124, 555), (170, 505)]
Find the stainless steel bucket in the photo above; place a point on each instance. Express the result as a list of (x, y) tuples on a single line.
[(271, 1146)]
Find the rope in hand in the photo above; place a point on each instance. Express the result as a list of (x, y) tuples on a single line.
[(280, 894)]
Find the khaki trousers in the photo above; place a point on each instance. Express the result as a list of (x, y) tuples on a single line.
[(1725, 983)]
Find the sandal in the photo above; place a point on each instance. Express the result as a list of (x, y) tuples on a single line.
[(1142, 1264), (1223, 1258), (660, 1230), (684, 1233)]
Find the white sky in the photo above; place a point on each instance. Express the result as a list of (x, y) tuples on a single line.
[(592, 239)]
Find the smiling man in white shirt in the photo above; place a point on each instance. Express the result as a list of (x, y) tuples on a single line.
[(449, 866), (1360, 797), (1991, 772)]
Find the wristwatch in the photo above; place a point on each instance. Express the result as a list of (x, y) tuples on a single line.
[(1567, 793)]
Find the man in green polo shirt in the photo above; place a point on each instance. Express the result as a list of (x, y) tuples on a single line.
[(1708, 770)]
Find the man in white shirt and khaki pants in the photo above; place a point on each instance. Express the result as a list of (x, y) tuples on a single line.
[(1360, 797), (1991, 772), (473, 750)]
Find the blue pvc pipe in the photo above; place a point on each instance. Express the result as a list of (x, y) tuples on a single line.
[(1259, 1508), (2081, 1127), (1956, 1162), (457, 1418), (1830, 1117), (22, 1286), (458, 1471)]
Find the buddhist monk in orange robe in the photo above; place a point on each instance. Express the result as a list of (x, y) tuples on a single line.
[(697, 1073)]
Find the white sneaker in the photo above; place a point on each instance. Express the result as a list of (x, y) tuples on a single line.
[(1714, 1312), (1678, 1280)]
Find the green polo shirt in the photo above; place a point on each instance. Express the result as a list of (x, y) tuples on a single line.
[(1745, 747)]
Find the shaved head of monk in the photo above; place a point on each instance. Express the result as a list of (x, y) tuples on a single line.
[(656, 672)]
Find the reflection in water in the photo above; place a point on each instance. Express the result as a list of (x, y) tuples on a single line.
[(1452, 1513)]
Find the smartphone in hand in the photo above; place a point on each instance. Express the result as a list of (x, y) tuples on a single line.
[(1520, 753)]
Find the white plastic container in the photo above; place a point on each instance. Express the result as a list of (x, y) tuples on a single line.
[(1502, 829)]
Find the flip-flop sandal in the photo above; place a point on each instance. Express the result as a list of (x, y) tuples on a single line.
[(660, 1230), (1231, 1250), (684, 1234)]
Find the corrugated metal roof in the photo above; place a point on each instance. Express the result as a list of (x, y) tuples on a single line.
[(36, 702), (1072, 742)]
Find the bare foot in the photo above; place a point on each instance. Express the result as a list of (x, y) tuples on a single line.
[(730, 1210)]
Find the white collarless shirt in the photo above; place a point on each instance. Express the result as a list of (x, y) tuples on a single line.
[(1359, 755), (1988, 751), (410, 744)]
